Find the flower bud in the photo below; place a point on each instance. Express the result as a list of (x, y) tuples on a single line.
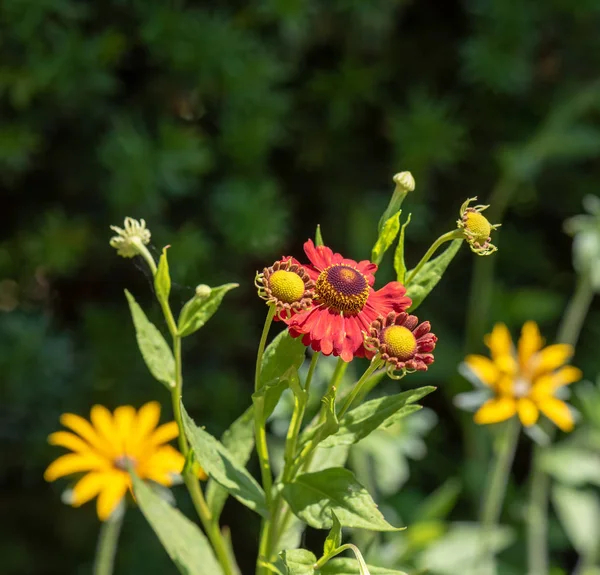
[(405, 180), (203, 291)]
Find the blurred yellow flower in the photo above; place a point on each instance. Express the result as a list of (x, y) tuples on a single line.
[(524, 380), (107, 446)]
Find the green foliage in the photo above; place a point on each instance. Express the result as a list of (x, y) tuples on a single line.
[(183, 540), (224, 467), (334, 537), (155, 350), (313, 496), (162, 279), (386, 238), (282, 354)]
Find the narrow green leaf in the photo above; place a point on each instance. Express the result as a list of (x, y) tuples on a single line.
[(318, 236), (430, 274), (239, 440), (299, 561), (367, 417), (266, 398), (155, 350), (330, 426), (281, 354), (334, 538), (386, 238), (439, 504), (399, 264), (313, 496), (223, 467), (198, 310), (183, 540), (162, 279), (347, 566)]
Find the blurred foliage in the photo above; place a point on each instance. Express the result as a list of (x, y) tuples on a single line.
[(233, 130)]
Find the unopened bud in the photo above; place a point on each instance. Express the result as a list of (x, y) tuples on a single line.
[(203, 291), (405, 180)]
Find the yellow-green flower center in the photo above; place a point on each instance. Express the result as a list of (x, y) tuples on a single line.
[(123, 462), (400, 342), (479, 227), (287, 287), (342, 288)]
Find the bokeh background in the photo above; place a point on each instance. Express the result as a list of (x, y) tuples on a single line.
[(233, 129)]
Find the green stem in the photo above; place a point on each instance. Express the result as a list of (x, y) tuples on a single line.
[(500, 472), (107, 544), (453, 235), (537, 516), (262, 344), (143, 251), (374, 365)]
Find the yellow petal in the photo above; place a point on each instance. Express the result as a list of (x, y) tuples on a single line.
[(483, 368), (83, 428), (73, 463), (112, 493), (528, 412), (69, 441), (566, 375), (530, 342), (551, 358), (557, 411), (548, 383), (164, 433), (505, 385), (103, 423), (124, 419), (507, 364), (146, 421), (89, 486), (499, 341), (495, 410)]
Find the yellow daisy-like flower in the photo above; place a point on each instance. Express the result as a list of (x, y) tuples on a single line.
[(108, 446), (524, 380)]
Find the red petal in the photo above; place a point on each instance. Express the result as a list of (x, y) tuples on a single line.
[(319, 256), (368, 269), (424, 328), (411, 322), (389, 297)]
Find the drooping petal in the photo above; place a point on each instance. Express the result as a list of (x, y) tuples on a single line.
[(551, 358), (530, 343), (69, 441), (499, 341), (83, 428), (496, 410), (74, 463), (558, 412), (319, 256), (112, 492), (528, 412), (89, 486), (484, 368)]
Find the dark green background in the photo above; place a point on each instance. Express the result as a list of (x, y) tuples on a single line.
[(234, 128)]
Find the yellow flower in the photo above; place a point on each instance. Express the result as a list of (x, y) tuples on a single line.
[(107, 446), (524, 380)]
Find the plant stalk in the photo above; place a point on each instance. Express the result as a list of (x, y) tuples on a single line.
[(452, 235), (107, 544)]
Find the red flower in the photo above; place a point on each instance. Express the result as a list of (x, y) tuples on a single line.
[(404, 344), (345, 304)]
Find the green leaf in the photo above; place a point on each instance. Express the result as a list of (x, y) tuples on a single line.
[(383, 411), (198, 310), (386, 238), (572, 465), (313, 496), (429, 275), (347, 566), (318, 236), (399, 264), (439, 504), (299, 561), (155, 350), (281, 354), (223, 467), (334, 539), (266, 398), (239, 440), (183, 540), (579, 514), (330, 426), (162, 279)]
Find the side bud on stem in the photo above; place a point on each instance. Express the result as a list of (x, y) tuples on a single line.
[(476, 228)]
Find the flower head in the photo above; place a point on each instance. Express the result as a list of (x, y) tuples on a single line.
[(345, 303), (476, 228), (128, 240), (524, 381), (286, 285), (108, 446), (403, 343)]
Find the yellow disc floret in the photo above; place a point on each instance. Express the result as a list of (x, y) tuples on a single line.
[(400, 342), (478, 226), (286, 286)]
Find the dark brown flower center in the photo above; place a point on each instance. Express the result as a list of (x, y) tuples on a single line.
[(342, 288)]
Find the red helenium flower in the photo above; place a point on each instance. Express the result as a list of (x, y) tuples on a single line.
[(345, 303)]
